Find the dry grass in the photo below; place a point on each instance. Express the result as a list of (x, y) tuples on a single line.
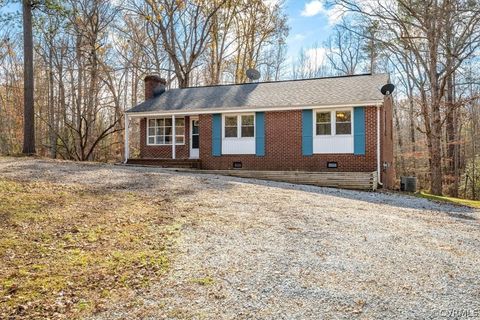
[(67, 249)]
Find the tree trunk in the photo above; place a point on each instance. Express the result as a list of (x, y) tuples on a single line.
[(62, 108), (436, 183), (373, 55), (451, 139), (80, 152), (400, 141), (411, 116), (451, 129), (29, 111), (51, 107), (413, 142)]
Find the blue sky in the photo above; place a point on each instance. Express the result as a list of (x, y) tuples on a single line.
[(311, 23)]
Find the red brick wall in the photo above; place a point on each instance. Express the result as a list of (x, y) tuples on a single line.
[(283, 147), (163, 152)]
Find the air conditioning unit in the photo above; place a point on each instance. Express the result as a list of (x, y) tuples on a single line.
[(408, 184)]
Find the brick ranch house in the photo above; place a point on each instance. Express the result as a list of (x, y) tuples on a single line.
[(334, 124)]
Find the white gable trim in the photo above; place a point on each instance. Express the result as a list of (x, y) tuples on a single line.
[(376, 103)]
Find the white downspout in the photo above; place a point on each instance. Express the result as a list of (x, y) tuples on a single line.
[(127, 148), (174, 138), (378, 148)]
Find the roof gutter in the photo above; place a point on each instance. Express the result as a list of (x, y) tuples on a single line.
[(376, 103)]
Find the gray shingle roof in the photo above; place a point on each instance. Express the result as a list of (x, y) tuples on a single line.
[(357, 89)]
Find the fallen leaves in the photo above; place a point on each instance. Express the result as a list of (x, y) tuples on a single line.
[(67, 250)]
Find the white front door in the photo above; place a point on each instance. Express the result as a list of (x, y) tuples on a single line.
[(194, 138)]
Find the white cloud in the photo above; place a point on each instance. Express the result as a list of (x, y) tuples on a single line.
[(316, 56), (313, 8), (298, 37), (309, 63), (333, 13)]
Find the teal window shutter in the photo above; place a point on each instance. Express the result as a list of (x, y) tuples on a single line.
[(260, 134), (216, 134), (359, 131), (307, 132)]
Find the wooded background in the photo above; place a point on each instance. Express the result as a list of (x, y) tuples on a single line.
[(90, 58)]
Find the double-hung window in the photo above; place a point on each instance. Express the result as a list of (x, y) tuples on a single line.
[(160, 131), (231, 127), (248, 126), (336, 122), (324, 125), (333, 131), (239, 126), (343, 122), (179, 130)]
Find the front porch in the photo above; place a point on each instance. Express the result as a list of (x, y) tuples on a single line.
[(162, 140)]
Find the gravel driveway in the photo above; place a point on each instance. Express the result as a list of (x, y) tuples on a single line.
[(266, 250)]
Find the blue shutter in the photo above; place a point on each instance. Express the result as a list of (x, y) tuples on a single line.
[(260, 134), (307, 132), (216, 134), (359, 131)]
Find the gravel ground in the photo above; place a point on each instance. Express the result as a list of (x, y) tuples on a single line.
[(265, 250)]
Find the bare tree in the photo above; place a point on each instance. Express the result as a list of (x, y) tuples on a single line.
[(29, 111), (184, 27), (419, 29), (260, 25), (222, 40), (345, 53)]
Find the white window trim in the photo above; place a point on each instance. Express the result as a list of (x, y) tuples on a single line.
[(331, 112), (239, 126), (164, 144), (333, 122)]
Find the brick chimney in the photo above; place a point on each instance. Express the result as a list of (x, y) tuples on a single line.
[(154, 86)]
